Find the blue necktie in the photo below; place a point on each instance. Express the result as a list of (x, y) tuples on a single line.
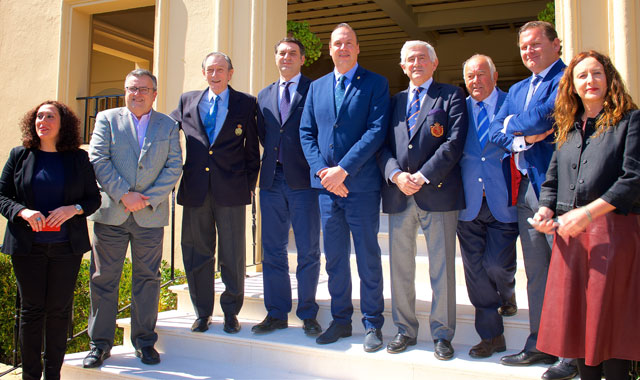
[(532, 90), (414, 111), (285, 106), (482, 123), (339, 93), (210, 121)]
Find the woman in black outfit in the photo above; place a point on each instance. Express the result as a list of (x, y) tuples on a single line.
[(591, 307), (47, 189)]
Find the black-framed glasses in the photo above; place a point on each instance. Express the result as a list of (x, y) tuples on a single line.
[(139, 90)]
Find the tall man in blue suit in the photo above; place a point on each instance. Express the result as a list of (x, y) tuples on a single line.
[(523, 128), (423, 188), (136, 155), (286, 196), (340, 136), (220, 173), (487, 227)]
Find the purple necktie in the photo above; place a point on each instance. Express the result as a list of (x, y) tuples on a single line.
[(285, 105)]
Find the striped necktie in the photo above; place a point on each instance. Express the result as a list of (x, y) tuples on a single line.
[(414, 111), (482, 123)]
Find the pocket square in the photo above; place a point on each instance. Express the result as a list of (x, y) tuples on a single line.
[(435, 111)]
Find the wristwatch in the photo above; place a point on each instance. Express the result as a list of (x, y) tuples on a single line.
[(78, 208)]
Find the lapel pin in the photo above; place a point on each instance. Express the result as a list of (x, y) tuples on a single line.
[(437, 130), (238, 130)]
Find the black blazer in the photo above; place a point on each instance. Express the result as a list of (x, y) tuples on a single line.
[(584, 169), (272, 130), (434, 150), (230, 166), (16, 193)]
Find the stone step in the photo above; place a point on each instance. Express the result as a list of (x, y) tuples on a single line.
[(284, 354), (516, 327)]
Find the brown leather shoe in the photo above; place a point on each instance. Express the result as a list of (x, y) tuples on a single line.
[(487, 347), (510, 308)]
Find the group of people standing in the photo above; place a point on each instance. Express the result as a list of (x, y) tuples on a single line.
[(487, 169)]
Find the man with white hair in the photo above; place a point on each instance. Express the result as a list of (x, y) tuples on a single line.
[(488, 226), (423, 188)]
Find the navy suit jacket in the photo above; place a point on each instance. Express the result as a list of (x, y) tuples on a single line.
[(535, 120), (434, 150), (482, 171), (278, 134), (231, 164), (351, 137)]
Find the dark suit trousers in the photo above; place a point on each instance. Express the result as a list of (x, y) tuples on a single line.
[(281, 207), (46, 278), (199, 225), (536, 251), (109, 250), (488, 249), (358, 213)]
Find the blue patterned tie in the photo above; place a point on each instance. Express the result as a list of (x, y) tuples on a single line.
[(532, 90), (339, 93), (482, 123), (414, 111), (210, 121)]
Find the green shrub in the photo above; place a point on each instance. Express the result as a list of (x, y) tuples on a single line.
[(81, 304), (311, 42)]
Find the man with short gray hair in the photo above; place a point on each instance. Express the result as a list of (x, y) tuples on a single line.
[(136, 155), (423, 188)]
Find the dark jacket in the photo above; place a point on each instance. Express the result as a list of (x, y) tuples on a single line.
[(585, 168), (16, 193), (230, 166)]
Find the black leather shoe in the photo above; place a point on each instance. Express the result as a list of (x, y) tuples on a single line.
[(442, 349), (310, 326), (400, 343), (564, 369), (523, 358), (231, 324), (487, 347), (333, 333), (201, 324), (269, 324), (510, 308), (95, 357), (372, 340), (148, 355)]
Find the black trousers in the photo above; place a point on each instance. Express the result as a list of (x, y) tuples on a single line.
[(46, 279)]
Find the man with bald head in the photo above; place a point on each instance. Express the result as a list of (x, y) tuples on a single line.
[(488, 226)]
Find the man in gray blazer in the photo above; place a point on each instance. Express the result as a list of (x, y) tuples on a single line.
[(137, 158)]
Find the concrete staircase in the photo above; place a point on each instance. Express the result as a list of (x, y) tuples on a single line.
[(289, 354)]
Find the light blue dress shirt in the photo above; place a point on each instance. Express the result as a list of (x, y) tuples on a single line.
[(223, 107)]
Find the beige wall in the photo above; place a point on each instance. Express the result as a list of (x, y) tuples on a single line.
[(107, 73)]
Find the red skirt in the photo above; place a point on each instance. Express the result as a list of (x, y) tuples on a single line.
[(591, 304)]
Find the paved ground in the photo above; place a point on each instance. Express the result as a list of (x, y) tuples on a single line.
[(15, 375)]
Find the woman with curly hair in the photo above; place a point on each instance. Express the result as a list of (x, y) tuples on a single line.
[(47, 189), (592, 302)]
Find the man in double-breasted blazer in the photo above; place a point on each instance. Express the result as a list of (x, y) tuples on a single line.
[(523, 129), (219, 176), (423, 188), (286, 196), (136, 155), (487, 227), (343, 126)]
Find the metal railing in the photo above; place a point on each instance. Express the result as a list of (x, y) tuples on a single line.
[(93, 105)]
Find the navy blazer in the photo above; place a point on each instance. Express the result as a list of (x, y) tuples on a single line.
[(272, 130), (16, 193), (535, 120), (351, 137), (434, 150), (231, 164), (482, 172)]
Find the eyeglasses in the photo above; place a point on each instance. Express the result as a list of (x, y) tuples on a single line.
[(140, 90)]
